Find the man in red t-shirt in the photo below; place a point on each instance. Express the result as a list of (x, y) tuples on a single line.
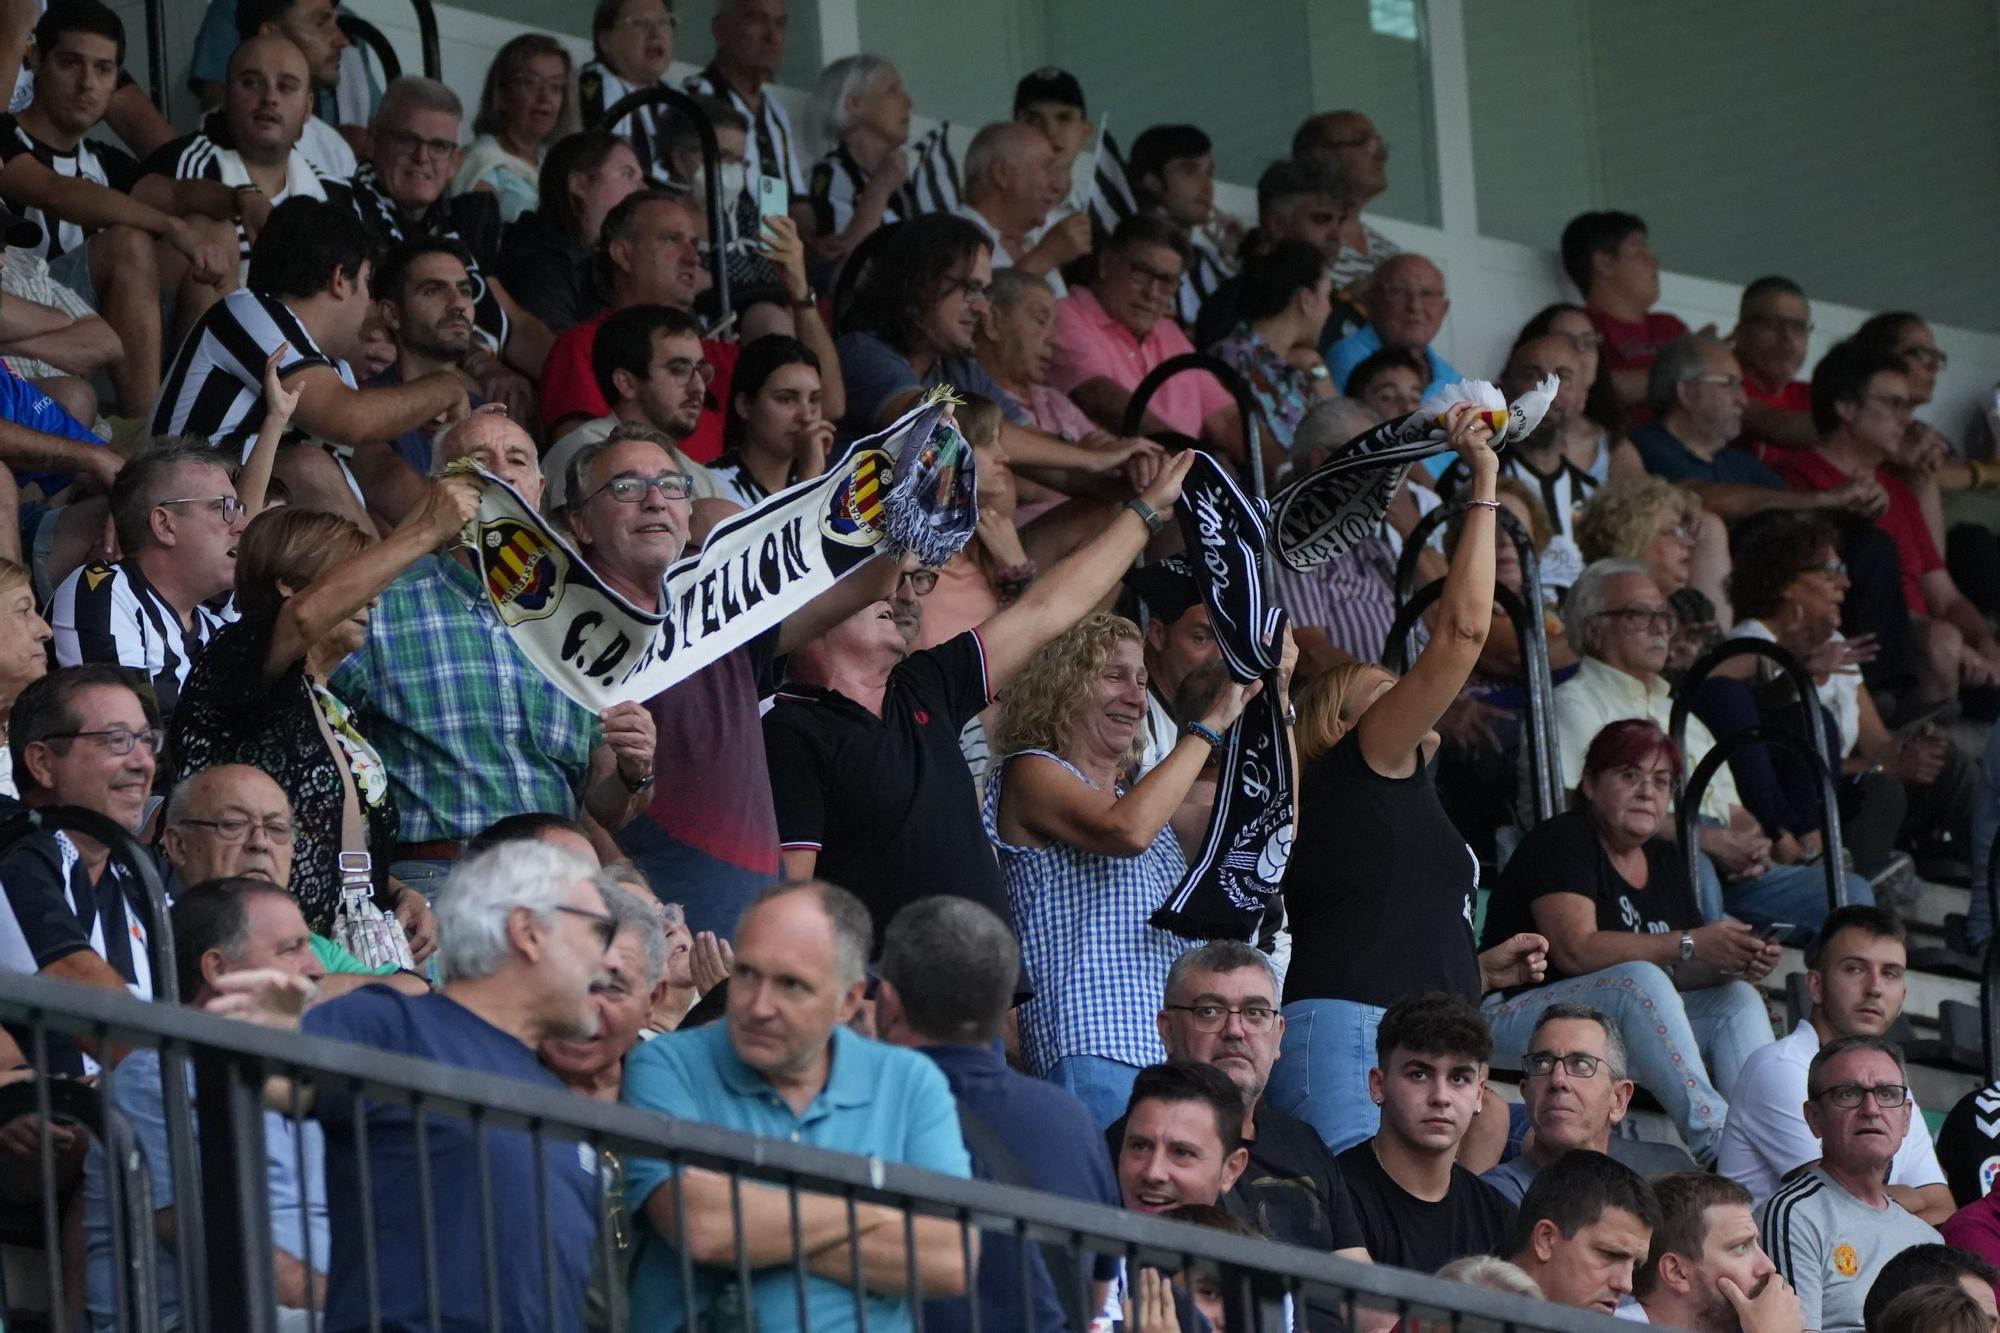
[(1861, 406), (1772, 325), (1609, 258)]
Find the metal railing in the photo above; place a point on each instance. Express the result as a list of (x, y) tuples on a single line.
[(711, 171), (1246, 407), (373, 40), (234, 1060)]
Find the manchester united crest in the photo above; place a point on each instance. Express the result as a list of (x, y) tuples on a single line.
[(1845, 1261)]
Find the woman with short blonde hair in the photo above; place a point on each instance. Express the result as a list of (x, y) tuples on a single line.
[(524, 107), (1661, 525)]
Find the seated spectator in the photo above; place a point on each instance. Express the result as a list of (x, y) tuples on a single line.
[(314, 27), (1417, 1206), (1181, 1138), (1390, 383), (1275, 349), (1705, 1271), (756, 290), (425, 296), (1171, 169), (1012, 343), (1620, 626), (1010, 185), (786, 1065), (522, 108), (1594, 439), (1491, 1273), (467, 727), (1407, 306), (25, 661), (564, 834), (85, 737), (1933, 1310), (1856, 982), (1179, 640), (1835, 1224), (948, 970), (861, 111), (1296, 201), (220, 926), (775, 435), (1051, 100), (1946, 1265), (749, 40), (1569, 1108), (633, 43), (545, 255), (1663, 527), (1610, 891), (1610, 259), (1583, 1229), (1086, 858), (1348, 143), (1773, 322)]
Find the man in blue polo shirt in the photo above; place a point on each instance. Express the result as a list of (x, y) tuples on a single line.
[(784, 1065), (1406, 308)]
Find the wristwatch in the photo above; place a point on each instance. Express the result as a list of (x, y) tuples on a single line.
[(635, 787), (1687, 946), (1152, 517)]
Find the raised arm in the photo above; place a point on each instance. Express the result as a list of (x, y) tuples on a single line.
[(332, 411)]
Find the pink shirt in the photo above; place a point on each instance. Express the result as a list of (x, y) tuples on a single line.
[(1090, 345), (1055, 413)]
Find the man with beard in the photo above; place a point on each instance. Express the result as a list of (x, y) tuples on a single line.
[(1706, 1272), (424, 296)]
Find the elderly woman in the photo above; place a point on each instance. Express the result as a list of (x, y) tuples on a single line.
[(1285, 293), (24, 654), (1662, 526), (1088, 856), (523, 106), (304, 582), (1380, 884), (861, 111), (1626, 937)]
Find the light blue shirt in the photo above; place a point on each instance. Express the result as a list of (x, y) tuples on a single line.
[(879, 1101), (1364, 342)]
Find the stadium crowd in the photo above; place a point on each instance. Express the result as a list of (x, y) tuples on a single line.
[(882, 878)]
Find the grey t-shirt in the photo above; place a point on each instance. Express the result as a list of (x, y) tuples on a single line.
[(1647, 1158), (1830, 1246), (872, 372)]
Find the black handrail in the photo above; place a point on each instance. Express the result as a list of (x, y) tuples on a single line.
[(1763, 733), (1246, 407), (711, 171), (156, 53), (427, 39), (365, 34), (1989, 969)]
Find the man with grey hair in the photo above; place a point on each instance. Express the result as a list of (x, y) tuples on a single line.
[(1576, 1087), (785, 1065), (635, 979), (1406, 309), (1011, 182)]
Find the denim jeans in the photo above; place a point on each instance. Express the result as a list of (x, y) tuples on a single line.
[(712, 893), (1322, 1071), (1783, 893), (426, 877), (1684, 1047), (1103, 1086)]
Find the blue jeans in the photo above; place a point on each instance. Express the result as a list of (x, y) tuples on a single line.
[(712, 893), (1103, 1086), (1322, 1071), (1783, 893), (1684, 1047), (426, 877)]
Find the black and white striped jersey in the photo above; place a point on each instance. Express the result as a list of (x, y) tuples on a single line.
[(837, 181), (210, 154), (771, 149), (1206, 270), (471, 220), (648, 129), (214, 390), (97, 163), (110, 614)]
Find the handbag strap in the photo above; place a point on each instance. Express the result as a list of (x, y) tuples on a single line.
[(353, 831)]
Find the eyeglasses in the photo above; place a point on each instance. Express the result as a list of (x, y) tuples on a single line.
[(533, 83), (118, 740), (1798, 328), (605, 925), (1657, 619), (921, 581), (1576, 1064), (690, 372), (972, 290), (649, 23), (1143, 276), (1721, 381), (1930, 358), (1833, 569), (235, 828), (415, 145), (1898, 404), (631, 490), (1847, 1096), (1215, 1017), (232, 508)]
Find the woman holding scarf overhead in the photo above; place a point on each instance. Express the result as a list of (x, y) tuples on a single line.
[(1379, 890)]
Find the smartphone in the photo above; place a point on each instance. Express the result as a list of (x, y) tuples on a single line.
[(1775, 932), (774, 197)]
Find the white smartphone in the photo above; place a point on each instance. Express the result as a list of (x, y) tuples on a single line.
[(774, 197)]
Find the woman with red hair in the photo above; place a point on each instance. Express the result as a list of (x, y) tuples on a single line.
[(1626, 938)]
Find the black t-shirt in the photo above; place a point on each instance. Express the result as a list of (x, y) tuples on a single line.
[(1379, 888), (1563, 855), (1408, 1232), (888, 802)]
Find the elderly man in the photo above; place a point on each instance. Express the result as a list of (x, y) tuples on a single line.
[(1856, 980), (1576, 1089), (177, 519), (469, 729), (1406, 308), (1012, 344), (1584, 1228), (785, 1065), (1348, 143), (1705, 1271), (1620, 625), (1833, 1227), (749, 48), (1773, 323), (1179, 641), (1010, 184)]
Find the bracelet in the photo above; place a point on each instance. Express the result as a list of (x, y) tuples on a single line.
[(1150, 516), (1483, 504), (1197, 729)]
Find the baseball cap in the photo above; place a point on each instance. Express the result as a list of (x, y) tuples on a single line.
[(1167, 587), (1048, 84)]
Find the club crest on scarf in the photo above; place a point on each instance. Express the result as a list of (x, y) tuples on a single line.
[(854, 513), (524, 572)]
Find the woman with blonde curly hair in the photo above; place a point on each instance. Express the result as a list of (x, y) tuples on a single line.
[(1088, 856), (1664, 527)]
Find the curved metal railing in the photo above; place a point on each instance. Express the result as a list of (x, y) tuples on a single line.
[(372, 39), (711, 165), (1236, 386)]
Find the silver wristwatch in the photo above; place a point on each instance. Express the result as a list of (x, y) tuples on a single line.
[(1687, 946)]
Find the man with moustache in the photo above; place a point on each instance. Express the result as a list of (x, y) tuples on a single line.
[(424, 296), (1706, 1272)]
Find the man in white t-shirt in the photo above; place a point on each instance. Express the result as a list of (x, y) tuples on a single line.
[(1857, 987)]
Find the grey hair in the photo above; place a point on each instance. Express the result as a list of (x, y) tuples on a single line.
[(1011, 284), (954, 965), (414, 92), (1679, 361), (1589, 597), (483, 891), (853, 927), (1327, 424), (1614, 1042), (1494, 1274), (987, 150), (1218, 956), (634, 911), (826, 108), (586, 455), (1839, 1046)]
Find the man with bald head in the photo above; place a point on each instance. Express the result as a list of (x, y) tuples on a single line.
[(1348, 143), (1011, 182), (468, 728), (1406, 308)]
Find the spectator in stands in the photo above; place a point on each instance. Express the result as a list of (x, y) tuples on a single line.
[(861, 112), (1391, 383), (425, 298), (1835, 1224), (468, 728), (1594, 440), (1933, 1310), (1856, 982), (1379, 887), (1012, 342), (1610, 259), (1087, 859), (1182, 1138), (1407, 306), (1492, 1273), (786, 1065), (1010, 184), (1662, 526), (776, 434), (220, 926), (1620, 626), (948, 970), (1583, 1228), (1179, 639), (81, 736), (523, 106), (25, 660), (757, 291), (1417, 1206), (749, 47), (1348, 143), (1773, 322), (1172, 172), (1576, 1086), (635, 974), (651, 367), (1610, 891), (545, 255), (1946, 1265), (314, 27), (1051, 100), (1296, 201), (633, 43), (1705, 1271), (1276, 348)]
